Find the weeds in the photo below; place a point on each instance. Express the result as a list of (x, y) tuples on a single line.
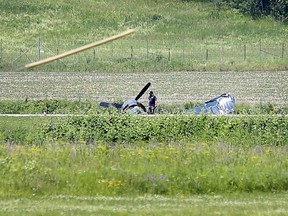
[(115, 128), (101, 170)]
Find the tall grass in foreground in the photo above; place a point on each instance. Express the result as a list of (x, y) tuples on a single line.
[(155, 168)]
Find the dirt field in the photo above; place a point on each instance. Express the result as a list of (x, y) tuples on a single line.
[(169, 87)]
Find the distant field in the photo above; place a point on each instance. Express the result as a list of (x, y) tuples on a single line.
[(170, 87), (171, 35)]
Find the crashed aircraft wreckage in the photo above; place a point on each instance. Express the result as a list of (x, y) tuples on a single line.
[(131, 105), (220, 105)]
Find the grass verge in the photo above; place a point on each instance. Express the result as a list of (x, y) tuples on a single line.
[(226, 205)]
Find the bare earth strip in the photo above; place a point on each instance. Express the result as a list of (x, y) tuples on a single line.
[(170, 87)]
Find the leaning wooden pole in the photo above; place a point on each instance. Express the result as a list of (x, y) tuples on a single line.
[(80, 49)]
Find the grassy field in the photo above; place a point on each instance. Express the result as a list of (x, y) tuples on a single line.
[(173, 40), (228, 205), (78, 179), (171, 35), (27, 122)]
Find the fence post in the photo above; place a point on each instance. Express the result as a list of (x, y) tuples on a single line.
[(260, 47), (1, 51), (183, 56), (147, 48), (244, 52), (282, 54), (39, 49), (222, 52), (131, 52), (169, 54), (112, 51), (207, 54)]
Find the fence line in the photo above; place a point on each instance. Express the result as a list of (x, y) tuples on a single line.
[(148, 51)]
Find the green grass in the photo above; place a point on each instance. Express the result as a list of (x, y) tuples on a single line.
[(12, 122), (163, 168), (19, 130), (87, 19), (30, 123), (171, 36), (228, 204), (45, 106)]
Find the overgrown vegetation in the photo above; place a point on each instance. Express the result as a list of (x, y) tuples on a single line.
[(175, 169), (116, 155), (45, 106), (115, 128), (109, 125)]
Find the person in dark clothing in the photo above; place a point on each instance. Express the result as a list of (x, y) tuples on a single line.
[(152, 103)]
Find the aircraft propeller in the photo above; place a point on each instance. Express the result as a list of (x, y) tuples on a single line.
[(131, 103), (143, 91)]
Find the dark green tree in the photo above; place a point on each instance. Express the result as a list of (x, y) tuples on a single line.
[(259, 8)]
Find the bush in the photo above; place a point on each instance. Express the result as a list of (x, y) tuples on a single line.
[(47, 106), (259, 8), (242, 130)]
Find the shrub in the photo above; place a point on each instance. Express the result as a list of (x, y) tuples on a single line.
[(270, 130)]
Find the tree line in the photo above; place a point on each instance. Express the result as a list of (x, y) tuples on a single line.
[(256, 8)]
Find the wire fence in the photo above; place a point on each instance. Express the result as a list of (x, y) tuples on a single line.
[(144, 54)]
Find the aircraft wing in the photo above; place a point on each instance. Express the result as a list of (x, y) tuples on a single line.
[(107, 104), (221, 105)]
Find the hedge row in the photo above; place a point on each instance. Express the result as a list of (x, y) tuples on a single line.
[(244, 130)]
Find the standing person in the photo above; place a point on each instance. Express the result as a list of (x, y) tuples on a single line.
[(152, 103)]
